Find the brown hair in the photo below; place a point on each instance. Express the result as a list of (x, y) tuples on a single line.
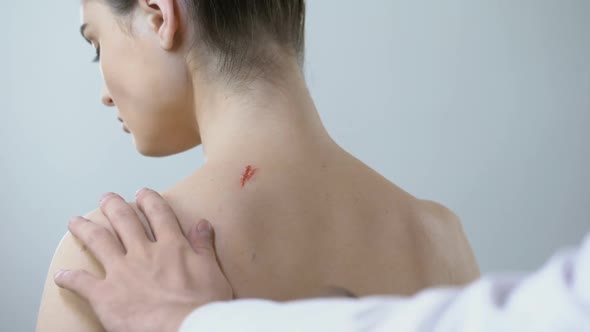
[(243, 33)]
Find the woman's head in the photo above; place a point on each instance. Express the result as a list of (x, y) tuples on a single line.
[(152, 52)]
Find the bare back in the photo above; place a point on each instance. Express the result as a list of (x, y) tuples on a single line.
[(300, 226), (295, 227)]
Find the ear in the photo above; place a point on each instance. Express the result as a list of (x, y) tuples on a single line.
[(163, 19)]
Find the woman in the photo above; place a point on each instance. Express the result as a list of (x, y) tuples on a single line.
[(227, 75)]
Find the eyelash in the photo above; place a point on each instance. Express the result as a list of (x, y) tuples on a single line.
[(97, 58)]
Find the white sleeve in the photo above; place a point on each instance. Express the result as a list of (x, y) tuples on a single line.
[(555, 298)]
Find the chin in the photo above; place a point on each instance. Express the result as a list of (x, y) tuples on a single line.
[(162, 151)]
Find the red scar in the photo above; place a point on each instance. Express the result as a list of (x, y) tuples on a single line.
[(248, 174)]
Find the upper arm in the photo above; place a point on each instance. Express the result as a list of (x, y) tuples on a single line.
[(62, 310)]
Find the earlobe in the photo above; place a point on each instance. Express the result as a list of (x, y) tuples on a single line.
[(163, 19)]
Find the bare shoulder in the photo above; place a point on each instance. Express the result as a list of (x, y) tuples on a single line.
[(445, 229), (60, 309), (432, 211), (440, 225)]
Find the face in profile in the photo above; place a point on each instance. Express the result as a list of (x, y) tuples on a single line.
[(148, 86)]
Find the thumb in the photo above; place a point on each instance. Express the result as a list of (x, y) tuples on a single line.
[(201, 238)]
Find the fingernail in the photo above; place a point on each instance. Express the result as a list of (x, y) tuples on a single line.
[(74, 219), (58, 273), (140, 191), (105, 197), (204, 228)]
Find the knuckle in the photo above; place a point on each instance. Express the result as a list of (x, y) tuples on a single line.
[(123, 212), (95, 235), (172, 246), (204, 249), (116, 264), (158, 207)]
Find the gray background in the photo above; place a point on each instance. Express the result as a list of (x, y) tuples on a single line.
[(480, 105)]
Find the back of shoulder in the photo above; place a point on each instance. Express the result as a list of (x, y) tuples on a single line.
[(448, 237), (60, 309), (71, 254), (434, 212)]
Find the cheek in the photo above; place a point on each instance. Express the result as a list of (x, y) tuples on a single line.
[(152, 91), (114, 76), (129, 82), (138, 71)]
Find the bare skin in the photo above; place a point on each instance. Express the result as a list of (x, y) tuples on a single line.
[(369, 236), (266, 249)]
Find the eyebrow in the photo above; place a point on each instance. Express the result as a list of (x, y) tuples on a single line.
[(83, 31)]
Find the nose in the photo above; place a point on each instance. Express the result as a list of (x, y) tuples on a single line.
[(106, 97)]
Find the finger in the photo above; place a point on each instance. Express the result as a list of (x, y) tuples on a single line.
[(201, 238), (99, 240), (125, 221), (78, 281), (159, 215)]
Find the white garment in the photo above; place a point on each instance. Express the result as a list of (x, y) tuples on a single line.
[(555, 298)]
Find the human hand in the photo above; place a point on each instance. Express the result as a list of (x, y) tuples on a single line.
[(149, 286)]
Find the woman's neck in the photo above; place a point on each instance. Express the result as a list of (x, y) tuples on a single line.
[(263, 119)]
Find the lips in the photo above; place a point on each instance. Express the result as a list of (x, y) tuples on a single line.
[(125, 129)]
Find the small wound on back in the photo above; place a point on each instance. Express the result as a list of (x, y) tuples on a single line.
[(249, 172)]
